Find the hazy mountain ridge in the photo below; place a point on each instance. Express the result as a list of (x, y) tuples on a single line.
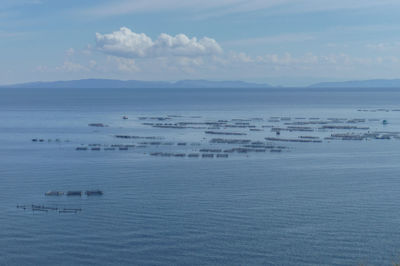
[(194, 84), (373, 83), (132, 84)]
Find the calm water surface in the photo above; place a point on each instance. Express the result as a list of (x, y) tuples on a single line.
[(334, 203)]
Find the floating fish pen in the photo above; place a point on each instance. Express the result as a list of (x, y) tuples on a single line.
[(210, 150), (301, 123), (222, 155), (153, 143), (154, 118), (240, 126), (169, 126), (95, 149), (275, 150), (193, 155), (230, 141), (109, 149), (292, 129), (259, 146), (74, 193), (347, 136), (343, 127), (136, 137), (241, 119), (81, 148), (54, 193), (356, 120), (308, 137), (207, 155), (46, 209), (167, 154), (294, 140), (96, 125), (225, 133), (243, 150), (94, 192)]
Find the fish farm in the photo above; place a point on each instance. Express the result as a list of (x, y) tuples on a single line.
[(197, 137)]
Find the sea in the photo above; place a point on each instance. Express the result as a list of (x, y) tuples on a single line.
[(334, 202)]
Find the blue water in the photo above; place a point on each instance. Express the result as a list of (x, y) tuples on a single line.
[(333, 203)]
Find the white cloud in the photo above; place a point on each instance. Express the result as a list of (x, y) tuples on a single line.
[(125, 43)]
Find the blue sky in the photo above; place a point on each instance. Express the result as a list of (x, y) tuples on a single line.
[(282, 42)]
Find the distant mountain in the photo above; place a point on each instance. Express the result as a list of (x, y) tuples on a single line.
[(373, 83), (132, 84)]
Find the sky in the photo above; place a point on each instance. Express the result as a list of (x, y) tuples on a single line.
[(280, 42)]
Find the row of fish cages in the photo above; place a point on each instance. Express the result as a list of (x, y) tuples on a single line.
[(125, 147), (300, 140), (253, 150), (113, 147), (378, 110), (49, 140), (43, 208), (74, 193), (327, 127), (292, 129), (97, 125), (225, 133), (190, 155), (366, 136), (247, 146), (138, 137)]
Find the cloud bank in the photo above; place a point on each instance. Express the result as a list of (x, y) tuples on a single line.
[(128, 44)]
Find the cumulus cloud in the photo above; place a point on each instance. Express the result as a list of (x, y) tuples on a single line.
[(126, 43)]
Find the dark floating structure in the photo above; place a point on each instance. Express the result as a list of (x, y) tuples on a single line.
[(74, 193), (96, 125), (295, 140), (225, 133), (54, 193), (94, 192), (46, 209)]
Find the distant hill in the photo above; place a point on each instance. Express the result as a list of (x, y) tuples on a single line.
[(373, 83), (132, 84)]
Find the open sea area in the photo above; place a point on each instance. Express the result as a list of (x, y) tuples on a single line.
[(280, 176)]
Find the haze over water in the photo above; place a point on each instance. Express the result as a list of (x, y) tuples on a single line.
[(328, 203)]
